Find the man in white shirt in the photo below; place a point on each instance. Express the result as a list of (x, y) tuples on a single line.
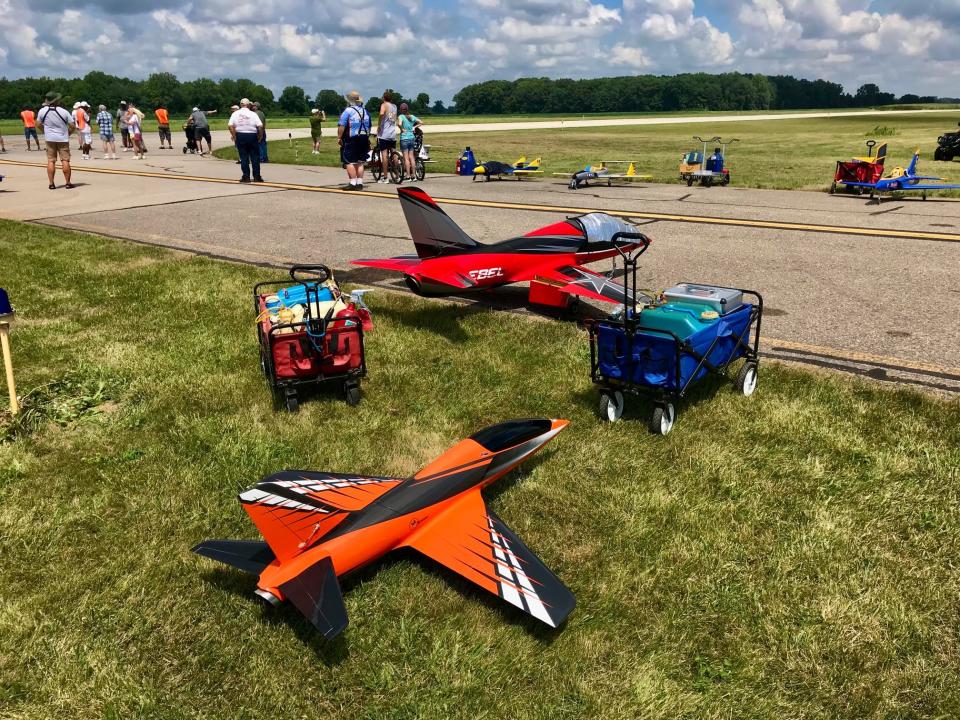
[(247, 131), (56, 124)]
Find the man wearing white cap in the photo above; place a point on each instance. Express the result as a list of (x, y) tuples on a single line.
[(247, 131), (201, 128)]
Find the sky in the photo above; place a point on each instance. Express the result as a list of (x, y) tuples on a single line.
[(437, 46)]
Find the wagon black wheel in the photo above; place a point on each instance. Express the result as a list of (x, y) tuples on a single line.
[(265, 366), (291, 402), (746, 381), (833, 187), (184, 150), (661, 422), (726, 180), (351, 394), (421, 169), (611, 405), (689, 182)]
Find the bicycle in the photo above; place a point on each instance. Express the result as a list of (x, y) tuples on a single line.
[(394, 165)]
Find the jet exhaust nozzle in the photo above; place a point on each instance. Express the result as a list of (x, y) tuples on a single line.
[(268, 597)]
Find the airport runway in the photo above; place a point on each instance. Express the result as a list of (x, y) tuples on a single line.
[(849, 285)]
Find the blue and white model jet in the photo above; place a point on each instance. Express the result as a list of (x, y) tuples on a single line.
[(905, 180)]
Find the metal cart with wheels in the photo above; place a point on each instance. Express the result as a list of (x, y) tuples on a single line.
[(310, 333), (629, 358)]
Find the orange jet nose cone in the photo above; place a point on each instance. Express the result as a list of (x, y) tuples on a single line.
[(559, 424)]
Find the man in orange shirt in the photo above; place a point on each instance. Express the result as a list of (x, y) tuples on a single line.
[(29, 125), (163, 125)]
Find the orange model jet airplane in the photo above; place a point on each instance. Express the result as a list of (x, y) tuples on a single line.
[(318, 526)]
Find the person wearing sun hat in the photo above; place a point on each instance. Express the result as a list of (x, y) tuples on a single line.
[(56, 124), (353, 134)]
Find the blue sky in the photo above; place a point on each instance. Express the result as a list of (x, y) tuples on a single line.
[(438, 46)]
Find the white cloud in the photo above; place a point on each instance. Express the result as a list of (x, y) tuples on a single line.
[(415, 45)]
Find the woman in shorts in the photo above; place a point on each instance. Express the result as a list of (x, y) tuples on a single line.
[(407, 123), (135, 126)]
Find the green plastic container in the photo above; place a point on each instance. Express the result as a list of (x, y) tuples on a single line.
[(682, 319)]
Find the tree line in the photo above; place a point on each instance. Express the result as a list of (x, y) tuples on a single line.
[(178, 97), (636, 93), (655, 93)]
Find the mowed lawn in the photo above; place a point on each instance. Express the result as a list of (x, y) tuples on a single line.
[(791, 555), (780, 154)]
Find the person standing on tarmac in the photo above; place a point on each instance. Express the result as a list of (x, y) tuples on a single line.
[(386, 135), (247, 132), (163, 126), (29, 118), (57, 124), (122, 126), (353, 134), (264, 158)]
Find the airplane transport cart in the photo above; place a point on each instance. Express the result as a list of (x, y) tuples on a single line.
[(309, 334), (662, 350)]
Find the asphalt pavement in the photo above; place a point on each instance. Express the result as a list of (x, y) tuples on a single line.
[(877, 303)]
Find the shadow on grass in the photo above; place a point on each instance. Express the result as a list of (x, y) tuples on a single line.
[(639, 408), (330, 652), (442, 320)]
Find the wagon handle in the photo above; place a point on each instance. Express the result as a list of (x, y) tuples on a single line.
[(623, 235), (318, 273)]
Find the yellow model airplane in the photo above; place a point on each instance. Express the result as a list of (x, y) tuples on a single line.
[(592, 173), (520, 169)]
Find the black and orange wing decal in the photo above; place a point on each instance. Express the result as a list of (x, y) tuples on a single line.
[(293, 509), (473, 542)]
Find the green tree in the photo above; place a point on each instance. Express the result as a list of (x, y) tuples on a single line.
[(330, 101), (159, 89), (293, 101)]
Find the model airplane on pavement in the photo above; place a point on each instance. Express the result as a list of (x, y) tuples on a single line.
[(448, 261), (520, 169), (601, 173), (905, 180), (319, 526)]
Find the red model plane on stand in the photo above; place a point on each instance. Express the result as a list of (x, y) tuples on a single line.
[(318, 526), (448, 261)]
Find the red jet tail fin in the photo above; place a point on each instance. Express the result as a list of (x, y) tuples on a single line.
[(432, 230)]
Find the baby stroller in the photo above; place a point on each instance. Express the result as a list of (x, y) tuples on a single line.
[(191, 146)]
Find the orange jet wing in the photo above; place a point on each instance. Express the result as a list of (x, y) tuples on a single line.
[(293, 509), (473, 542)]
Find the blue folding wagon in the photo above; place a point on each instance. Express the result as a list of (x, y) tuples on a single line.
[(663, 347)]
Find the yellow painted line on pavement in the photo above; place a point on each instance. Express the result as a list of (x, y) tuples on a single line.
[(530, 207), (857, 357)]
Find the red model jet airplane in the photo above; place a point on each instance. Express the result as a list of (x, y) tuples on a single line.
[(318, 526), (448, 261)]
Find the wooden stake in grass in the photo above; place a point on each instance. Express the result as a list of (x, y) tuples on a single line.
[(6, 317)]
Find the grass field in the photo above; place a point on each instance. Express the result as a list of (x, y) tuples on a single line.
[(788, 556), (782, 154)]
